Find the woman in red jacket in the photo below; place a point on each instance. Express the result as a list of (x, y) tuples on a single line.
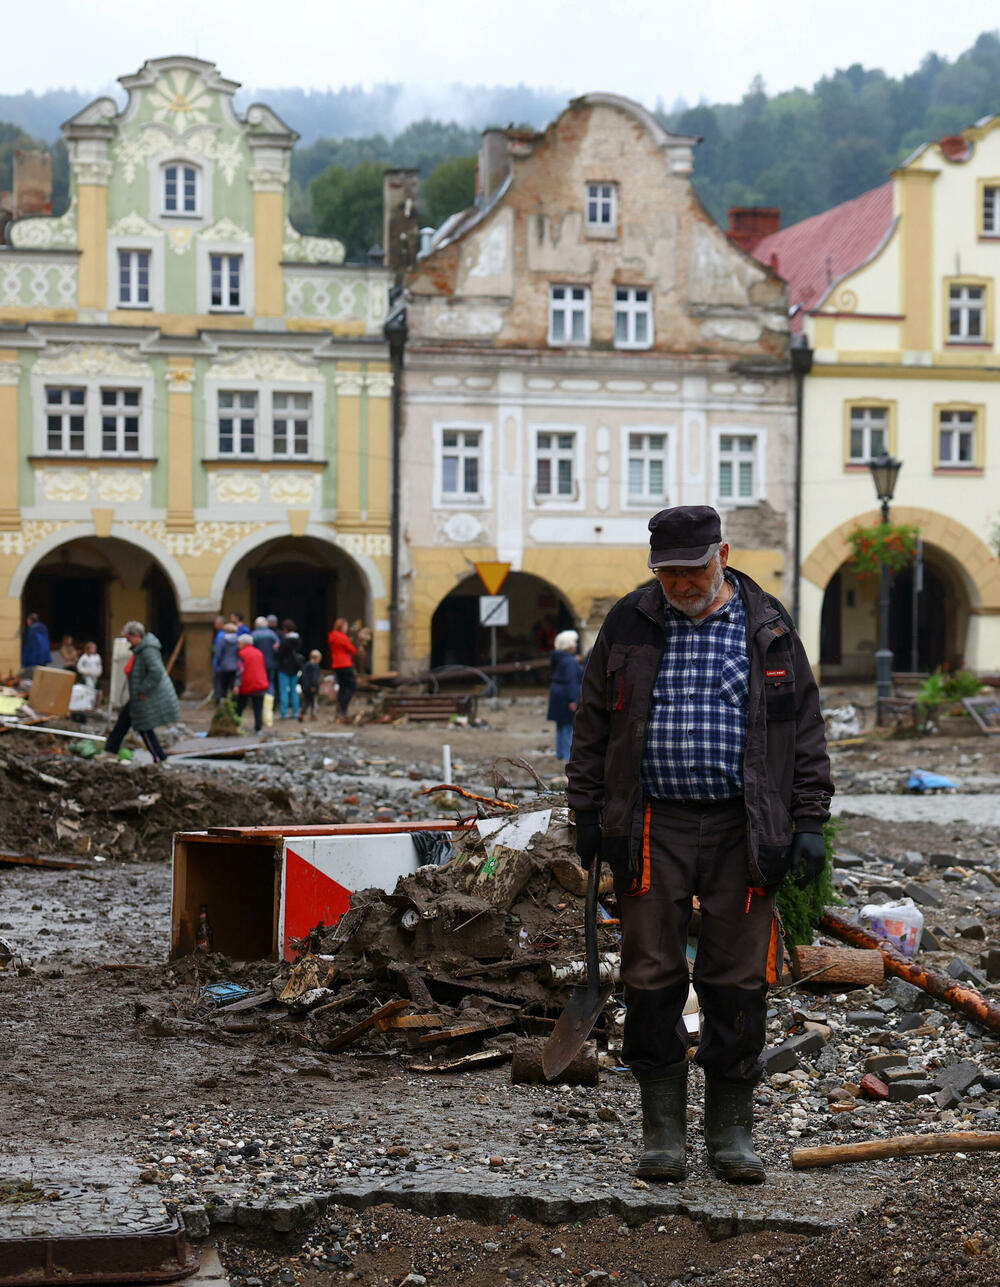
[(342, 653), (251, 680)]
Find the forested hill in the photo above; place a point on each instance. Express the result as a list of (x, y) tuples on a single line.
[(802, 150)]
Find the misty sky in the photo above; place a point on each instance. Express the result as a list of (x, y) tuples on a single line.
[(647, 49)]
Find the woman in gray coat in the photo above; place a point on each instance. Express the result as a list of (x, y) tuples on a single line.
[(152, 699)]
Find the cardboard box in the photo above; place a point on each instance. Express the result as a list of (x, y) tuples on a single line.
[(51, 689)]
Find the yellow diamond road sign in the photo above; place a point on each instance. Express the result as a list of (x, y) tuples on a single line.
[(492, 575)]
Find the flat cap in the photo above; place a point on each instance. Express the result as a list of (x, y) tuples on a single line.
[(681, 537)]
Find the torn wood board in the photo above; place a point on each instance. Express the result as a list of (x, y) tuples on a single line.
[(466, 1030), (53, 861), (307, 975), (499, 875), (352, 1034), (393, 1022), (466, 1063), (18, 767)]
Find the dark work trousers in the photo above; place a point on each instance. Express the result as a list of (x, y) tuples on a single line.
[(695, 848), (122, 726), (347, 686), (256, 700)]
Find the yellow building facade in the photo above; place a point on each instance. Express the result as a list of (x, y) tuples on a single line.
[(904, 339), (194, 397)]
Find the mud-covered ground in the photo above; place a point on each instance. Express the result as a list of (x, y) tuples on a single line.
[(90, 1067)]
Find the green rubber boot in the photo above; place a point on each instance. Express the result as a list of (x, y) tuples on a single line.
[(664, 1126), (729, 1131)]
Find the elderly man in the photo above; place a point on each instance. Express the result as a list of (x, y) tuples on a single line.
[(699, 767)]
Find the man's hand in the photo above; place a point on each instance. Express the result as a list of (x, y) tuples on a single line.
[(588, 837), (808, 857)]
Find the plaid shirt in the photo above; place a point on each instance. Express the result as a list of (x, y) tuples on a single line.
[(698, 715)]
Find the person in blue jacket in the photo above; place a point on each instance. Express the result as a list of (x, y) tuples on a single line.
[(35, 647), (564, 689)]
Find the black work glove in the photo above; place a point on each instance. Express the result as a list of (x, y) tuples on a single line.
[(808, 857), (588, 837)]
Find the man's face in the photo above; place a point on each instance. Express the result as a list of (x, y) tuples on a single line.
[(693, 590)]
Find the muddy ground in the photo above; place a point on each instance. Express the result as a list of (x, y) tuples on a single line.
[(87, 1069)]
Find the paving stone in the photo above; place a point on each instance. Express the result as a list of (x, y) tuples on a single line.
[(930, 942), (879, 1063), (966, 973), (960, 1075), (196, 1222), (947, 1098), (992, 965), (971, 929), (915, 1019), (906, 995), (923, 895), (865, 1018), (941, 860), (791, 1052), (904, 1092)]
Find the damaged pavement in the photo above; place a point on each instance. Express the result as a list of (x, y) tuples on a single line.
[(365, 1088)]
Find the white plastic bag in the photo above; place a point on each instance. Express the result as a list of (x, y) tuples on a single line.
[(267, 715)]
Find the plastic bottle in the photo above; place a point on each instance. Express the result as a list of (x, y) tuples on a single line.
[(205, 936)]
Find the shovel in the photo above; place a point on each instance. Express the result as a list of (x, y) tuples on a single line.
[(586, 1001)]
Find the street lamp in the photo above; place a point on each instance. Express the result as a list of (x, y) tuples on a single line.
[(885, 470)]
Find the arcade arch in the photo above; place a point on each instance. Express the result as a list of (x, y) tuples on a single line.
[(537, 612)]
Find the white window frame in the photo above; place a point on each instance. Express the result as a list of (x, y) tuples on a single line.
[(92, 404), (463, 500), (601, 194), (237, 413), (205, 252), (66, 411), (577, 498), (226, 261), (121, 410), (966, 307), (957, 428), (991, 206), (153, 244), (291, 414), (566, 306), (130, 258), (265, 419), (181, 165), (647, 499), (866, 415), (759, 459), (632, 309)]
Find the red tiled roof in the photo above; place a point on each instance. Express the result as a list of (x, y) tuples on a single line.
[(814, 253)]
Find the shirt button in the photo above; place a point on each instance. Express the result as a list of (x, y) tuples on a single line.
[(690, 732)]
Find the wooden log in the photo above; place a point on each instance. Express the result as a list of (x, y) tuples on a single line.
[(416, 986), (526, 1066), (859, 966), (573, 878), (897, 1146), (958, 995)]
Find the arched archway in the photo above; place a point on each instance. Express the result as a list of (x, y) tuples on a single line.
[(301, 578), (89, 586), (961, 584), (537, 611)]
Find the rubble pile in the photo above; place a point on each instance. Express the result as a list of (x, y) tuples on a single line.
[(57, 804), (459, 958)]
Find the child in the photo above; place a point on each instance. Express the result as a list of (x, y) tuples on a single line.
[(309, 683), (89, 665)]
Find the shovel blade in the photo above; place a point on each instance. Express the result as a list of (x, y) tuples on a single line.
[(573, 1026)]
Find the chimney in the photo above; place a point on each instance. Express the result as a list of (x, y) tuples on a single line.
[(749, 224), (494, 162), (32, 194), (400, 224)]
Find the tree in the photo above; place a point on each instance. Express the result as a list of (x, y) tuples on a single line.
[(450, 187), (348, 205)]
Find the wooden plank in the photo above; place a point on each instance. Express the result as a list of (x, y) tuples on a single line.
[(411, 1021), (46, 860), (466, 1063), (465, 1030), (352, 1034), (336, 829)]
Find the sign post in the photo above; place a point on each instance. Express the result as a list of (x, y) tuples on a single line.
[(494, 608)]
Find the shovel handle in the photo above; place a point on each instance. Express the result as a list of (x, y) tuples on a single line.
[(590, 922)]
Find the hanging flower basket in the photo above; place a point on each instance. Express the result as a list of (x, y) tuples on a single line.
[(892, 544)]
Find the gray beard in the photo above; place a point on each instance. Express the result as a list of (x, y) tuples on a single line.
[(694, 607)]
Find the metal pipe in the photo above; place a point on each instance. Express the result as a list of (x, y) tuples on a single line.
[(395, 332), (801, 356), (883, 658)]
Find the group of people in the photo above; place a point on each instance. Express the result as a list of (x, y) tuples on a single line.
[(36, 650), (249, 664)]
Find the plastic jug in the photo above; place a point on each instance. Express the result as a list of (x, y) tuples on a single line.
[(902, 923)]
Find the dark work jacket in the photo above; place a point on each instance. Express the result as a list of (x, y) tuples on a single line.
[(565, 686), (786, 770), (288, 656)]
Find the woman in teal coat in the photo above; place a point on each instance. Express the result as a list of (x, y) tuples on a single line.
[(152, 699)]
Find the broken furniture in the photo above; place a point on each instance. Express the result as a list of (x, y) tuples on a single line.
[(427, 707), (267, 886)]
